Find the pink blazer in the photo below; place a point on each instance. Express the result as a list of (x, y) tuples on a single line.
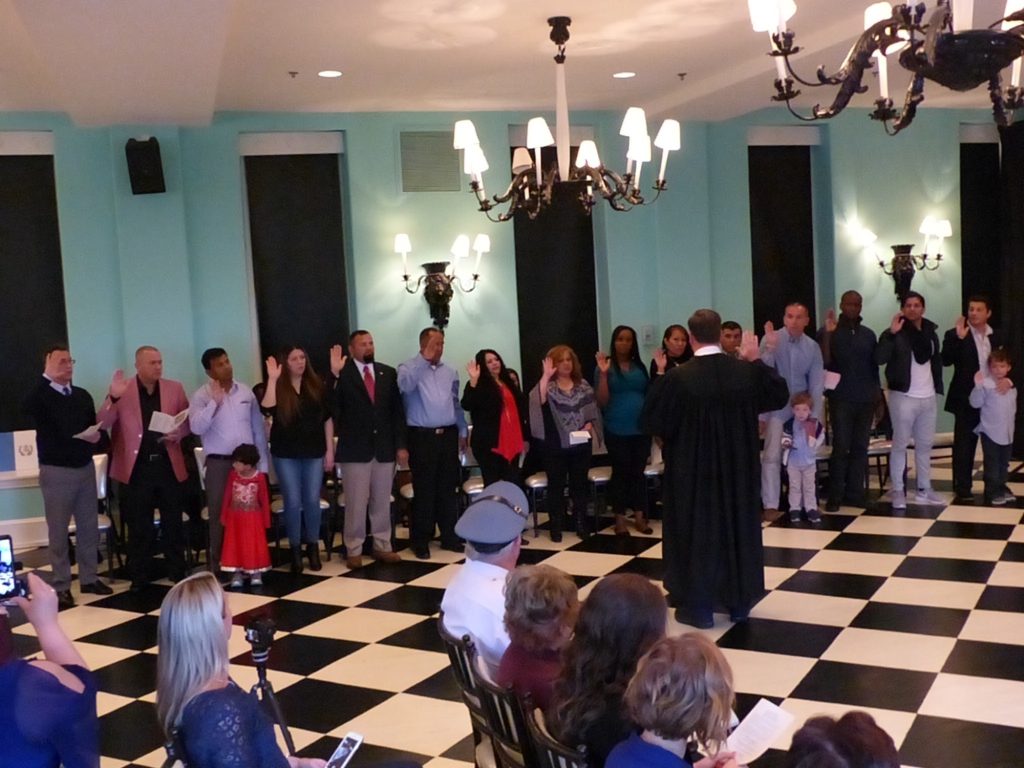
[(124, 420)]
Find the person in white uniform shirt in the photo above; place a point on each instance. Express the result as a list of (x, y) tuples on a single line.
[(474, 602)]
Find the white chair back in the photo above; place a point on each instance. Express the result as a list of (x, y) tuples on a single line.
[(100, 463)]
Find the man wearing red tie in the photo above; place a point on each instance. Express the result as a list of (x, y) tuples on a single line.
[(370, 425), (147, 463)]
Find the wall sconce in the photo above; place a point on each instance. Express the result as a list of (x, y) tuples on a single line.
[(904, 264), (438, 281)]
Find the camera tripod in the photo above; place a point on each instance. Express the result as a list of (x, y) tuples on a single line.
[(264, 692)]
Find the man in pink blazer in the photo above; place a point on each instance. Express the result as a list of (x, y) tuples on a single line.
[(147, 464)]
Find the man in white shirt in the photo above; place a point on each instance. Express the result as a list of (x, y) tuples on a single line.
[(474, 602)]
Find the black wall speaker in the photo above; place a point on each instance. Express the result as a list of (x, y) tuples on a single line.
[(144, 167)]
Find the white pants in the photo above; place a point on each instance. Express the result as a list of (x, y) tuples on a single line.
[(912, 417), (803, 491)]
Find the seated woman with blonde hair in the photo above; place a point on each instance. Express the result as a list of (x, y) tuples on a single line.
[(682, 690), (216, 723), (541, 605)]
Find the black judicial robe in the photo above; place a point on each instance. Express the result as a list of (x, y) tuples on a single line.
[(706, 411)]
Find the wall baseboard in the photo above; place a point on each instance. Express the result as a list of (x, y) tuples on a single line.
[(29, 532)]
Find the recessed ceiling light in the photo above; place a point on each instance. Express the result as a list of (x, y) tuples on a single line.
[(624, 75), (329, 73)]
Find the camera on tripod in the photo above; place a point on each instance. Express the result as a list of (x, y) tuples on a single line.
[(259, 631)]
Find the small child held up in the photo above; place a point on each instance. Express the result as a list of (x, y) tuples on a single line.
[(802, 435), (246, 517), (996, 396)]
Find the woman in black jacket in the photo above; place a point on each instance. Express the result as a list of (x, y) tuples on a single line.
[(495, 404)]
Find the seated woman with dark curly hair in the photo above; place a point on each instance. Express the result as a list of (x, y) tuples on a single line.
[(852, 741), (682, 689), (541, 605), (622, 618)]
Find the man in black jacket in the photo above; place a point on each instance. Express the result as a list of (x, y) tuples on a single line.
[(966, 347), (370, 425), (909, 350)]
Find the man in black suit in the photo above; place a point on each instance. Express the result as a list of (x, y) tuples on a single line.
[(370, 425), (966, 347)]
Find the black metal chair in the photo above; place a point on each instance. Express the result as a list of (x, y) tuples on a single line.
[(549, 752), (506, 717), (462, 658)]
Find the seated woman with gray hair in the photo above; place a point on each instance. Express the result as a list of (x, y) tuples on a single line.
[(541, 605), (682, 690)]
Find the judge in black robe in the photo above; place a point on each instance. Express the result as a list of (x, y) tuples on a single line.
[(705, 411)]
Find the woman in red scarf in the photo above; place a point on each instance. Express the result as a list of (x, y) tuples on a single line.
[(495, 404)]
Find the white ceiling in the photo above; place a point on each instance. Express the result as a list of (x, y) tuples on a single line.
[(107, 62)]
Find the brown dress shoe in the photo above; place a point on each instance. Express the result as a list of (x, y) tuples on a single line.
[(770, 515), (353, 562), (386, 557)]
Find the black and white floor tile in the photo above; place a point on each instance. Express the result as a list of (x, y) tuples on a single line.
[(917, 618)]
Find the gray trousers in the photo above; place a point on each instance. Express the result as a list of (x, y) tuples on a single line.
[(912, 417), (70, 493), (771, 463), (217, 471), (803, 492), (368, 486)]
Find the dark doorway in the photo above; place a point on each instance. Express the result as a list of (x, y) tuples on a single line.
[(555, 282), (298, 254), (781, 231), (32, 287)]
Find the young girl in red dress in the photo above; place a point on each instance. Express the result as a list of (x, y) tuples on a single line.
[(246, 517)]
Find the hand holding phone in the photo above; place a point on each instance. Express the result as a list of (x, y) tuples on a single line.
[(10, 585), (343, 754)]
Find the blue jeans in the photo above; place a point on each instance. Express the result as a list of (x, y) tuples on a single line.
[(300, 481), (997, 467)]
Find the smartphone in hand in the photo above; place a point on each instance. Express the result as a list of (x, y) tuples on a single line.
[(346, 749)]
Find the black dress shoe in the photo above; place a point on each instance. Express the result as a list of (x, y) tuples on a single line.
[(832, 506), (313, 553), (453, 546), (296, 568), (964, 498), (137, 586), (96, 588), (422, 551), (65, 600), (701, 619)]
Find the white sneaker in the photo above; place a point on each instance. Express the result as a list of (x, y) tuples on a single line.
[(930, 497), (256, 580), (899, 499), (1008, 498), (237, 581)]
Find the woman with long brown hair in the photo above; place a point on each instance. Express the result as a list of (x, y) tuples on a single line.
[(622, 618), (302, 447), (495, 403)]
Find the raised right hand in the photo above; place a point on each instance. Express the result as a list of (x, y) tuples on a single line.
[(660, 360), (217, 392), (118, 384), (830, 320), (547, 369), (897, 323), (961, 327), (771, 336), (473, 369), (604, 363), (338, 360), (273, 368), (749, 350)]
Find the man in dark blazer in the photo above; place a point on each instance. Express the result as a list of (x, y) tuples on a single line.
[(966, 347), (370, 425)]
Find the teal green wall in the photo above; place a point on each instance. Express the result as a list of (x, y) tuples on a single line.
[(172, 269)]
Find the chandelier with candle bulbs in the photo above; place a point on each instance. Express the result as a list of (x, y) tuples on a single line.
[(532, 185), (938, 45)]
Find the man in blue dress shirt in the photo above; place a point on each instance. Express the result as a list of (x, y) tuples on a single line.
[(797, 358), (437, 432), (225, 414)]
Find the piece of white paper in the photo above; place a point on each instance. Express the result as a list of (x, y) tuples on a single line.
[(832, 379), (578, 437), (164, 423), (88, 432), (758, 731)]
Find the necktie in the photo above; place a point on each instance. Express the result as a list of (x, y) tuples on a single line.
[(67, 390), (368, 381)]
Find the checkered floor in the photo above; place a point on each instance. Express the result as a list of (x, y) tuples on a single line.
[(917, 618)]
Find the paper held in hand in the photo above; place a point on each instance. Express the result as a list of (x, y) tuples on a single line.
[(578, 437), (832, 379), (164, 423), (88, 432), (758, 731)]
